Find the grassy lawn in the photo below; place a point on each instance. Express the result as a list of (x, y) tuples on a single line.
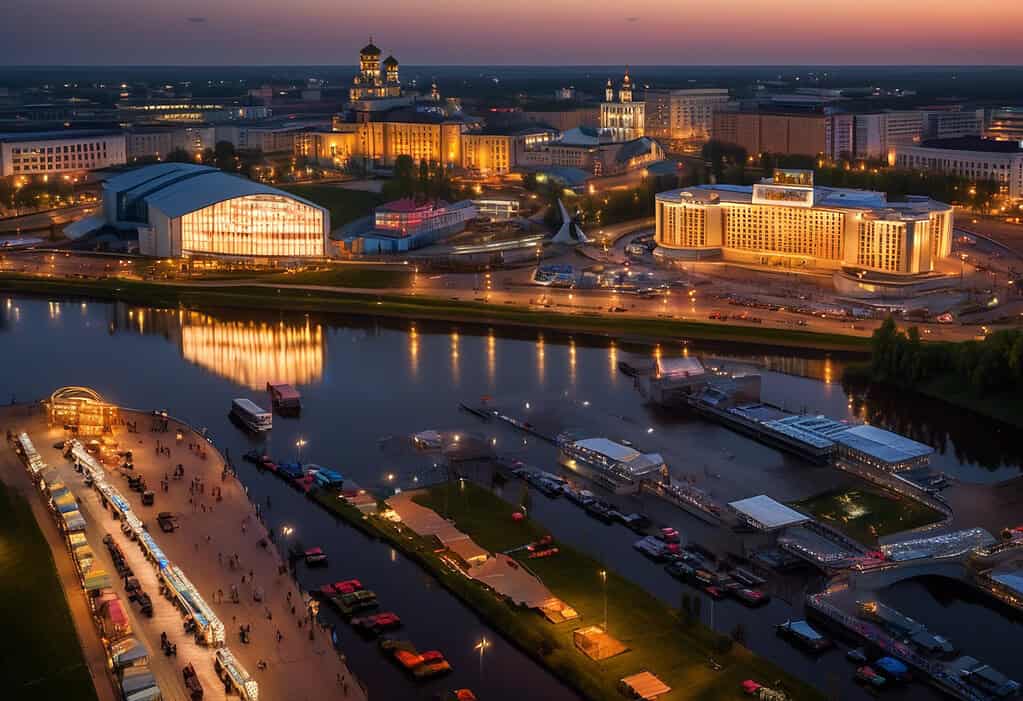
[(867, 514), (344, 205), (653, 329), (40, 656), (657, 640), (347, 276)]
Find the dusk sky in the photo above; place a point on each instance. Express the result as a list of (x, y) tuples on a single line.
[(555, 32)]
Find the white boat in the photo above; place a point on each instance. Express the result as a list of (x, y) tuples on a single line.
[(254, 417)]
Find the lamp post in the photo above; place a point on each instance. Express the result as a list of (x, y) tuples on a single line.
[(300, 443), (603, 579)]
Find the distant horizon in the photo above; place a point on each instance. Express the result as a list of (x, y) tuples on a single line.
[(543, 32), (617, 66)]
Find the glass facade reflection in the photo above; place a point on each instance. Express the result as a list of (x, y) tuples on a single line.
[(255, 225)]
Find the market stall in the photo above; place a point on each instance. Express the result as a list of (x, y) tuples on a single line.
[(230, 671), (209, 627)]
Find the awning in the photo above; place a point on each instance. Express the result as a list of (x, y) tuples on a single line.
[(644, 686)]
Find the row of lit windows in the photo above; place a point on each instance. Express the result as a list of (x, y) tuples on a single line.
[(255, 225), (880, 245), (784, 230)]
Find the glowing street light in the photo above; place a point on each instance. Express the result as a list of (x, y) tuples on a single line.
[(300, 443)]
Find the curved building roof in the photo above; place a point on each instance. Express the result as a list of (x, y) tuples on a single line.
[(149, 174), (370, 49), (390, 61), (202, 190)]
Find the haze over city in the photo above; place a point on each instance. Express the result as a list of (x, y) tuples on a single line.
[(530, 32)]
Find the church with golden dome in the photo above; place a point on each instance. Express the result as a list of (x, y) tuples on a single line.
[(371, 82)]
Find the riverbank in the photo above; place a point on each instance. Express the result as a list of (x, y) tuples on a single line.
[(655, 635), (951, 389), (290, 298), (40, 656)]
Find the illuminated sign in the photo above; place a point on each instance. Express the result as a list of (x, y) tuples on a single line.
[(777, 194)]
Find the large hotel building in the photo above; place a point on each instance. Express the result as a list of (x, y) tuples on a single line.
[(786, 221)]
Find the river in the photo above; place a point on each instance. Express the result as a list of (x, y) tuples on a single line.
[(367, 384)]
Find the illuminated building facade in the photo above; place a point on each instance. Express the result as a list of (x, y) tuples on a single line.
[(682, 117), (786, 221), (183, 209), (56, 152), (624, 118), (971, 158), (372, 81), (404, 225), (1005, 124), (761, 132), (493, 151)]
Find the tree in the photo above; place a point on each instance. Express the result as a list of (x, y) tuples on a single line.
[(403, 184), (224, 156), (178, 155)]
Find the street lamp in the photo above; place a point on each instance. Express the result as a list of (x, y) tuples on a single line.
[(603, 579), (481, 647), (300, 443)]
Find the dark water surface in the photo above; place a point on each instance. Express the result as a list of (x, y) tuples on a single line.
[(368, 384)]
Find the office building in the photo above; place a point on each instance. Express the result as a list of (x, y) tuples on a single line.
[(971, 158), (786, 221), (878, 135), (155, 142), (185, 209), (1005, 124), (772, 132), (57, 152), (682, 117), (623, 118)]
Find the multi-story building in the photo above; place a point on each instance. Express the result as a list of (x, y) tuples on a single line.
[(404, 225), (593, 151), (878, 135), (772, 132), (493, 151), (157, 142), (1005, 124), (972, 158), (786, 221), (55, 152), (682, 117), (623, 118)]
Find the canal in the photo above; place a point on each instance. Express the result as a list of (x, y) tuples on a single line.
[(368, 384)]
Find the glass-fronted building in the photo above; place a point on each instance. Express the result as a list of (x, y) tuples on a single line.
[(183, 209)]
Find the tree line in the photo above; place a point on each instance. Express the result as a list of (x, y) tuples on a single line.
[(994, 364)]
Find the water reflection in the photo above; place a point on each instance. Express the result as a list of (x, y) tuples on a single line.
[(612, 361), (253, 353), (541, 367), (491, 359), (455, 362), (413, 351)]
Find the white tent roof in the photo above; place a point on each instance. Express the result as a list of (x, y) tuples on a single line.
[(195, 193), (764, 512)]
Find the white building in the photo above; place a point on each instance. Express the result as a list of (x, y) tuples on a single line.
[(623, 118), (878, 135), (184, 209), (55, 152), (971, 158), (682, 115), (1005, 124)]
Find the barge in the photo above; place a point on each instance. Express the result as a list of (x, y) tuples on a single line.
[(250, 415), (284, 398), (614, 466)]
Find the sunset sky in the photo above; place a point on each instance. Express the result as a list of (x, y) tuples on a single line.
[(559, 32)]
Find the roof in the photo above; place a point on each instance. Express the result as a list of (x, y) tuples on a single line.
[(766, 513), (974, 143), (194, 193), (673, 367), (57, 134), (146, 174), (637, 147), (370, 49), (409, 204), (883, 445), (390, 61), (609, 448), (645, 685)]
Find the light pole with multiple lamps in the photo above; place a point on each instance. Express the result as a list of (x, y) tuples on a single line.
[(481, 647), (300, 443)]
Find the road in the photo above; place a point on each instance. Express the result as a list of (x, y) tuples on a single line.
[(43, 220)]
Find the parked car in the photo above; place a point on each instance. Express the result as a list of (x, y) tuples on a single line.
[(634, 522)]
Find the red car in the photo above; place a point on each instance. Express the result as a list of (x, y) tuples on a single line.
[(714, 592)]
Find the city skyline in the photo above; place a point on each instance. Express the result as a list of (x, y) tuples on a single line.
[(452, 32)]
